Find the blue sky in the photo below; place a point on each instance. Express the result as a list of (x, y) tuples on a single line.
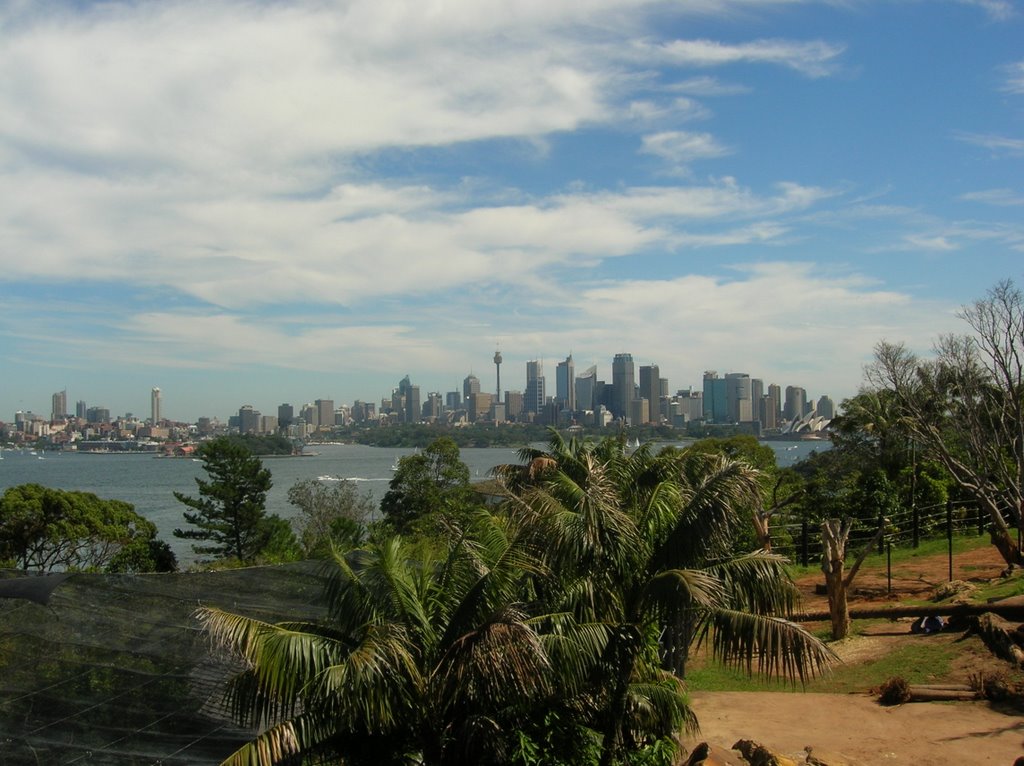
[(253, 203)]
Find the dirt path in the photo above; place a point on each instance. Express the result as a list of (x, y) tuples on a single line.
[(857, 727)]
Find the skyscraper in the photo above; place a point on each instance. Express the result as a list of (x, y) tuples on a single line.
[(434, 406), (737, 398), (453, 401), (826, 407), (479, 406), (155, 402), (756, 395), (533, 399), (716, 408), (773, 406), (513, 404), (471, 385), (623, 384), (59, 409), (80, 409), (497, 370), (585, 389), (248, 419), (413, 408), (565, 384), (285, 415), (796, 399), (650, 389), (325, 413)]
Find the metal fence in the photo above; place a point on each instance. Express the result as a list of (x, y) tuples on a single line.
[(907, 528)]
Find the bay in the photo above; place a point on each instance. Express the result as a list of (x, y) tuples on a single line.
[(149, 482)]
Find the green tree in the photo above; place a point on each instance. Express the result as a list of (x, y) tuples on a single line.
[(52, 529), (432, 483), (229, 513), (643, 545), (426, 656), (964, 407), (150, 555), (551, 625), (333, 515)]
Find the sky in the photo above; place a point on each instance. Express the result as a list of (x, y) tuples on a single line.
[(250, 202)]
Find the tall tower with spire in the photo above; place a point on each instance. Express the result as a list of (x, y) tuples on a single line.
[(497, 368)]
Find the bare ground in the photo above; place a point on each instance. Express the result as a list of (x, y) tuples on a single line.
[(855, 725)]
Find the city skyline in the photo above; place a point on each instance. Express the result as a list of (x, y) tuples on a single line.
[(408, 398), (242, 203)]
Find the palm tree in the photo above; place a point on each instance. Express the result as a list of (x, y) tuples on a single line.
[(640, 543), (562, 622), (426, 656)]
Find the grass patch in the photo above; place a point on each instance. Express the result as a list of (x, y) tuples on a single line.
[(919, 660), (1011, 586), (926, 659)]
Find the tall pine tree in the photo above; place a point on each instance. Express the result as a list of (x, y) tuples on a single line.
[(229, 513)]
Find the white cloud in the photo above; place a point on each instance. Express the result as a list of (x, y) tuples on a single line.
[(998, 10), (822, 323), (814, 59), (682, 147), (997, 197), (929, 242), (356, 242), (994, 143), (785, 322), (1014, 77), (707, 86)]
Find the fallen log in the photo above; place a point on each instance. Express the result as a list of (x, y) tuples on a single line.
[(1008, 610), (927, 694), (1000, 636)]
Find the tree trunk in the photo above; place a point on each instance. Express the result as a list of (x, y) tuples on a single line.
[(834, 534), (762, 531), (999, 534)]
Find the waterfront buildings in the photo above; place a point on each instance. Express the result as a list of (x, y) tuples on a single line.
[(735, 399)]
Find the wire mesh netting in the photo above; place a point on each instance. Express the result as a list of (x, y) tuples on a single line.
[(115, 669)]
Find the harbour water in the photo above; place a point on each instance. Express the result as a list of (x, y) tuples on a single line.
[(149, 482)]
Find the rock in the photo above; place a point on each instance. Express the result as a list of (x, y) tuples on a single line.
[(698, 755), (705, 755), (757, 754), (953, 588)]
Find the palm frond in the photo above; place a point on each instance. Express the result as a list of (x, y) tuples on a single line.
[(502, 662), (770, 646), (758, 582), (674, 590), (659, 706)]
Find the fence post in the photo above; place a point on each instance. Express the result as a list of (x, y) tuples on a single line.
[(917, 523), (803, 542), (888, 566), (981, 521), (881, 542), (949, 535)]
